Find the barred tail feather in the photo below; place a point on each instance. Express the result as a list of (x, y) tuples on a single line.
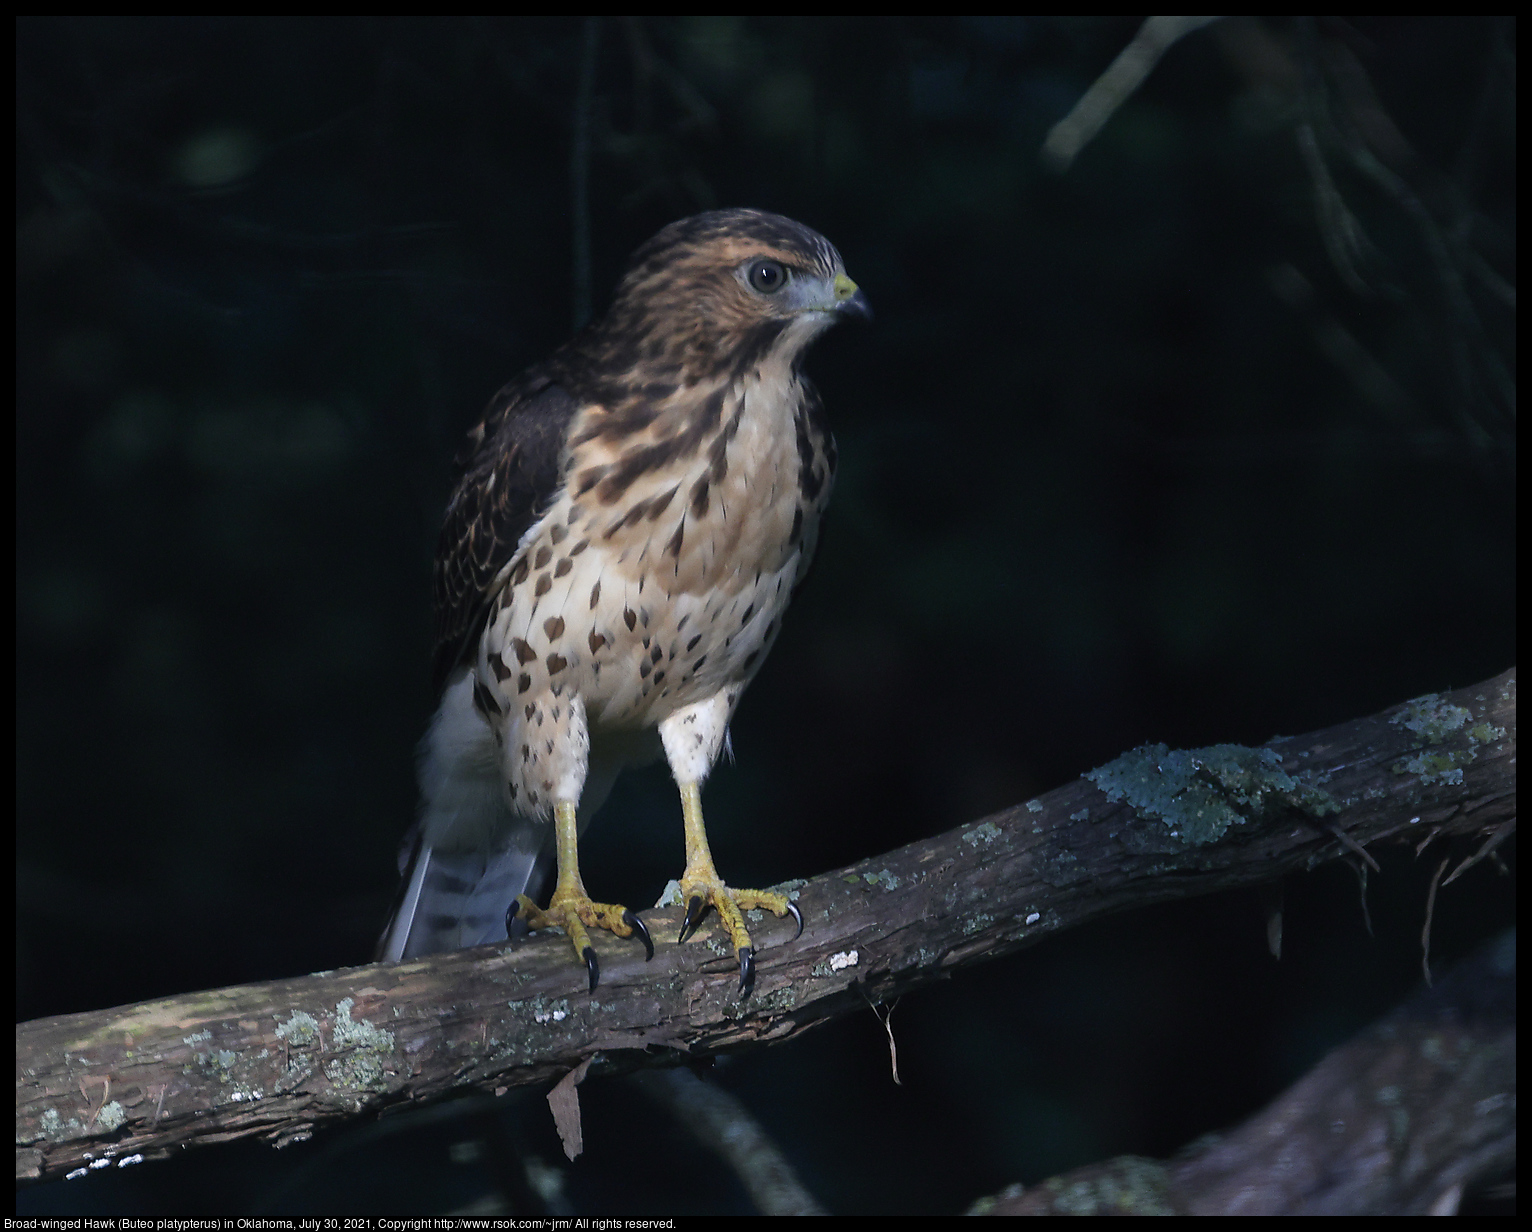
[(454, 899), (469, 856)]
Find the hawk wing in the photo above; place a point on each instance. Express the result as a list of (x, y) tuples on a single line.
[(510, 474)]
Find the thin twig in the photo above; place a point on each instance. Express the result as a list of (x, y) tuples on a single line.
[(1496, 836), (884, 1017), (1339, 228), (1109, 91), (1361, 873), (1272, 896), (1351, 845), (106, 1091), (1425, 933)]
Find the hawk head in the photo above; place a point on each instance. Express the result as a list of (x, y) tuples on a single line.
[(716, 293)]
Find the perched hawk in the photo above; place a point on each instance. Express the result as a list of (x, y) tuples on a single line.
[(631, 520)]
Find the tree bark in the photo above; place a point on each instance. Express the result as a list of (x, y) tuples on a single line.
[(108, 1088)]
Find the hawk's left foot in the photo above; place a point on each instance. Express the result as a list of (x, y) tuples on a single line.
[(700, 893)]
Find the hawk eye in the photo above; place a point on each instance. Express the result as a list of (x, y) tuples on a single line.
[(767, 276)]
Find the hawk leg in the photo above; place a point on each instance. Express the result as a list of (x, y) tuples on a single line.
[(571, 908), (702, 887)]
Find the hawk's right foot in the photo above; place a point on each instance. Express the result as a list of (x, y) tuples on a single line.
[(574, 912), (702, 887)]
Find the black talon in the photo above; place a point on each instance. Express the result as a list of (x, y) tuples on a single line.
[(515, 923), (797, 915), (642, 929), (694, 911), (592, 966), (746, 970)]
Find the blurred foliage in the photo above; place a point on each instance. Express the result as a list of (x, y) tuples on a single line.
[(1208, 438)]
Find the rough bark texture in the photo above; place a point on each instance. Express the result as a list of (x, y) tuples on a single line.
[(276, 1060), (1396, 1122)]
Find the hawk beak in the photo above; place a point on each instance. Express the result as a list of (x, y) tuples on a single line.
[(850, 300)]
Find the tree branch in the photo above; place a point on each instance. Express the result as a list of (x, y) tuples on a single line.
[(1109, 91), (1399, 1121), (277, 1060), (723, 1125)]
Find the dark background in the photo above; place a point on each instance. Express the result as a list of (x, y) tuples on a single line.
[(1149, 448)]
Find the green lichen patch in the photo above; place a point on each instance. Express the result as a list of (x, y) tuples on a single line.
[(1133, 1186), (111, 1116), (983, 1206), (231, 1070), (886, 879), (1436, 767), (362, 1046), (300, 1030), (780, 1000), (1431, 719), (977, 923), (1200, 793), (350, 1033), (55, 1128), (986, 832)]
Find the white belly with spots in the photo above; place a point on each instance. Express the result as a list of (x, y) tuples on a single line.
[(639, 616)]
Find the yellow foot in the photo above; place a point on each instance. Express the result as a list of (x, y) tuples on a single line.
[(701, 893), (574, 913)]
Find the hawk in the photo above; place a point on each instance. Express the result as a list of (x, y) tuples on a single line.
[(632, 517)]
